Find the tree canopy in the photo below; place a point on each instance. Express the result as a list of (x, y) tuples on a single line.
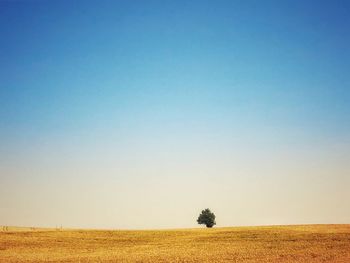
[(207, 218)]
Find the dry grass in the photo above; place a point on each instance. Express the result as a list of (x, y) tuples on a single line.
[(309, 243)]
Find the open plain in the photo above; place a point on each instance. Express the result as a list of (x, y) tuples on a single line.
[(302, 243)]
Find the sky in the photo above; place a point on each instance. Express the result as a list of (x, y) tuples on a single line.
[(139, 114)]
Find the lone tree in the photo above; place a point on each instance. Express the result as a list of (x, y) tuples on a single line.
[(207, 218)]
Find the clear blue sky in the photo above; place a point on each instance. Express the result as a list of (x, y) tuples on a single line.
[(95, 95)]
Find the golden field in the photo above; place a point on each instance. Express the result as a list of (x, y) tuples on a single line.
[(304, 243)]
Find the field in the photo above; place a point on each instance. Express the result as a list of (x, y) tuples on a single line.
[(304, 243)]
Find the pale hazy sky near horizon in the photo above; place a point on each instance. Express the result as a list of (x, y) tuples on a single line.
[(139, 114)]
